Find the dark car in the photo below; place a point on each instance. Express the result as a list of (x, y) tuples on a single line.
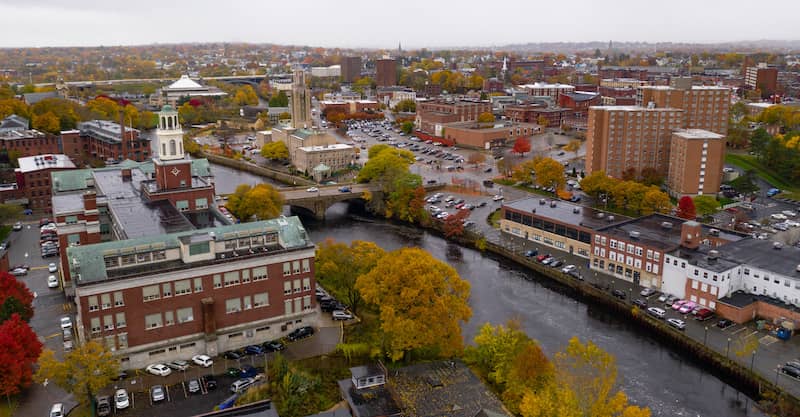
[(531, 253), (619, 294), (331, 306), (640, 303), (248, 371), (254, 350), (557, 263), (210, 381), (301, 333), (232, 354), (233, 371), (724, 324), (274, 346), (103, 406), (120, 376), (791, 371)]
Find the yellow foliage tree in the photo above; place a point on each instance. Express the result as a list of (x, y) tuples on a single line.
[(485, 117), (260, 202), (549, 173), (422, 302), (338, 267), (83, 372), (275, 150), (47, 122)]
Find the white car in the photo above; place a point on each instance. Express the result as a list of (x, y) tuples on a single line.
[(313, 190), (778, 216), (341, 315), (789, 213), (52, 281), (52, 268), (121, 399), (677, 323), (66, 323), (202, 360), (497, 197), (567, 269), (158, 369)]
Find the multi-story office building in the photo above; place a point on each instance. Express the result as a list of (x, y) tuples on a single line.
[(433, 115), (17, 138), (763, 78), (629, 137), (704, 107), (351, 68), (158, 273), (321, 161), (696, 161), (386, 72), (108, 141), (547, 90), (33, 179)]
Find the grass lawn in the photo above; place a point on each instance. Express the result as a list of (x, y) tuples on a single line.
[(748, 162), (6, 409), (4, 231), (494, 219)]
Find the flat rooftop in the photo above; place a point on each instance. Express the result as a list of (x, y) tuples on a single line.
[(697, 134), (48, 161), (323, 148), (763, 255), (634, 108), (741, 299), (652, 231), (566, 212)]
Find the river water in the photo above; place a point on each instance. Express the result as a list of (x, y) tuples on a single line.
[(650, 374)]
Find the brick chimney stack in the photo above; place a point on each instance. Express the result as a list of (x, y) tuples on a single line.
[(691, 232)]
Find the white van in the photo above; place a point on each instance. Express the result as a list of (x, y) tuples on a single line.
[(57, 410), (242, 384), (656, 312)]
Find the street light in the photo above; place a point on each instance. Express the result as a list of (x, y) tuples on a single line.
[(776, 374), (728, 348), (705, 336), (752, 360)]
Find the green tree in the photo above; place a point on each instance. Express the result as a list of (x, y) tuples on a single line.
[(338, 267), (422, 303), (261, 202), (83, 372), (406, 106), (362, 84), (275, 150), (407, 127), (279, 100), (188, 114), (705, 205)]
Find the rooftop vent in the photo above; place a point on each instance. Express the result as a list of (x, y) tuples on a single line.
[(712, 254), (533, 210), (610, 219), (553, 203), (634, 234), (777, 245), (798, 268), (576, 210), (542, 201), (666, 225), (600, 215)]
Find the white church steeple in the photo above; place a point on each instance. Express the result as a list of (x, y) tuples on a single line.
[(169, 135)]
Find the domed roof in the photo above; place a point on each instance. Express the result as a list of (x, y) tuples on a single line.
[(166, 108)]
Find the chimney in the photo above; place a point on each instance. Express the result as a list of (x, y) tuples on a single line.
[(90, 200), (126, 174), (691, 234)]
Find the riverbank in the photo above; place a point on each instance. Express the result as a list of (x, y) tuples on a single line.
[(282, 177), (771, 397)]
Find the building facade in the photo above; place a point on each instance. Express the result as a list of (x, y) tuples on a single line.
[(704, 107), (181, 89), (432, 115), (762, 78), (488, 135), (321, 161), (351, 68), (301, 102), (386, 72), (547, 90), (619, 138), (535, 113), (110, 141), (16, 139), (696, 161), (33, 180)]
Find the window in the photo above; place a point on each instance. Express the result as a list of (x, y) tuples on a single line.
[(297, 286), (287, 287), (307, 302), (198, 285), (199, 248), (287, 307), (152, 321), (71, 219), (298, 305), (246, 301), (167, 292), (287, 268), (169, 318), (260, 299), (183, 287), (93, 306), (704, 287), (233, 305), (306, 265), (185, 315), (231, 278), (95, 324), (111, 262), (108, 322), (182, 205), (159, 255), (105, 301), (128, 259), (306, 284), (119, 301), (217, 281), (201, 203), (122, 341), (121, 320), (230, 244), (151, 293), (747, 271), (295, 267), (245, 276), (259, 273)]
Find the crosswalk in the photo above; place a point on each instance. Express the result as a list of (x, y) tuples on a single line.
[(67, 307)]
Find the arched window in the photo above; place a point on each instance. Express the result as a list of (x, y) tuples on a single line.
[(163, 149), (180, 148), (172, 150), (169, 123)]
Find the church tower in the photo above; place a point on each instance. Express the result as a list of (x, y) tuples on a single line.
[(301, 101), (173, 170)]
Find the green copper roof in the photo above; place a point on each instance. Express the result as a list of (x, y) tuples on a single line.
[(76, 179)]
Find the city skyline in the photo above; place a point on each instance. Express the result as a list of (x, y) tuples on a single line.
[(415, 24)]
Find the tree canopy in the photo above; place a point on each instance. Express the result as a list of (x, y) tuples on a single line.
[(486, 117), (83, 372), (275, 150), (705, 204), (406, 106), (19, 349), (279, 100), (522, 145), (686, 209), (338, 267), (422, 302), (261, 202), (15, 298)]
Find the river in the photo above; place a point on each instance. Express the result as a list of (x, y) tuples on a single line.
[(650, 374)]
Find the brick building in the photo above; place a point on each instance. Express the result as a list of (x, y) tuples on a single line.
[(16, 137), (530, 113), (158, 273), (351, 68), (547, 90), (386, 72), (622, 137), (493, 85), (33, 180), (578, 103), (432, 115), (108, 141), (704, 107), (762, 78), (697, 158), (487, 135)]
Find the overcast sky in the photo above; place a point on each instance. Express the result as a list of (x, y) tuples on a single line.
[(382, 24)]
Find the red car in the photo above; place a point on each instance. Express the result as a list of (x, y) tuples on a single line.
[(541, 258)]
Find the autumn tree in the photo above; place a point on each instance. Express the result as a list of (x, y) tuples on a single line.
[(83, 372), (19, 350), (338, 267), (9, 106), (15, 298), (522, 146), (422, 302), (705, 204), (549, 173), (275, 150), (476, 158), (245, 95), (9, 212), (524, 172), (407, 127), (406, 106), (596, 183), (655, 201), (486, 117), (651, 176), (454, 224), (261, 202), (573, 146), (686, 208), (47, 122)]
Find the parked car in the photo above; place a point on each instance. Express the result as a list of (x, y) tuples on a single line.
[(158, 369), (497, 197), (274, 346), (103, 406), (556, 263), (619, 294), (678, 304), (704, 314), (640, 303), (193, 386), (344, 189), (233, 371), (341, 315), (52, 281), (66, 323), (569, 268), (687, 307), (157, 393), (241, 385), (671, 300), (301, 333), (202, 360), (248, 371), (312, 189), (178, 365), (790, 371), (121, 399), (548, 260), (647, 292), (57, 410), (663, 298), (725, 323), (19, 270), (17, 226), (542, 257), (656, 312), (676, 323), (210, 381), (232, 354), (254, 350)]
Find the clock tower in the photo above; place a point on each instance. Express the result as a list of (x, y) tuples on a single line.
[(172, 169)]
